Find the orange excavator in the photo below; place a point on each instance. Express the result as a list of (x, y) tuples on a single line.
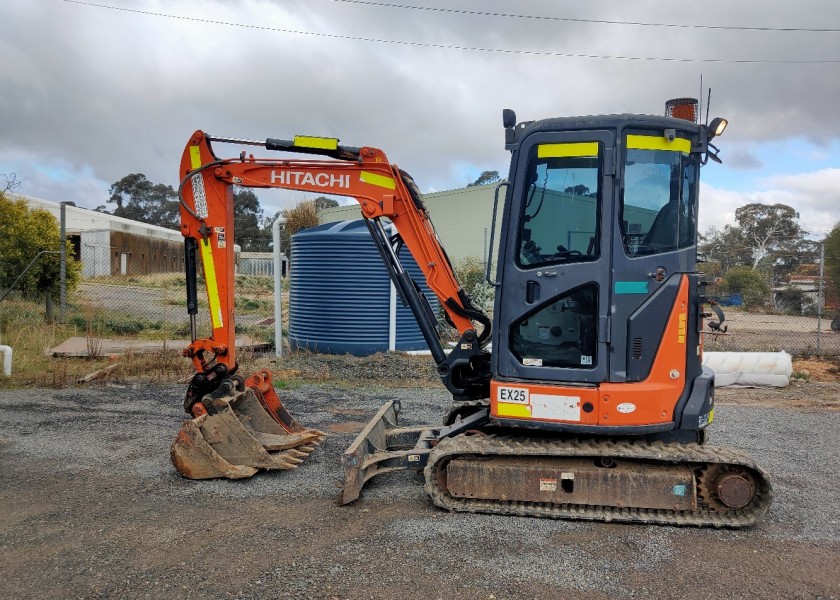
[(584, 397)]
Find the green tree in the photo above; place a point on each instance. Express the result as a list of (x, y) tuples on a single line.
[(470, 273), (832, 258), (322, 202), (751, 285), (769, 230), (798, 253), (247, 221), (139, 199), (485, 178), (579, 190), (725, 247), (24, 232)]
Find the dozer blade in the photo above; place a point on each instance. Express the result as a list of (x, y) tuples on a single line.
[(383, 447), (237, 436)]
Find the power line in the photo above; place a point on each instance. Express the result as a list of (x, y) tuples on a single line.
[(449, 46), (482, 13)]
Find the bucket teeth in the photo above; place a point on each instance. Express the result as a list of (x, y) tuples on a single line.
[(241, 434)]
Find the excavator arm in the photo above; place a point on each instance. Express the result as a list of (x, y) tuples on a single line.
[(382, 191)]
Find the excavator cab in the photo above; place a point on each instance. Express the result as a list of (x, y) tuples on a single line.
[(598, 283)]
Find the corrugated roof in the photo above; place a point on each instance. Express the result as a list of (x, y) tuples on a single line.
[(83, 219)]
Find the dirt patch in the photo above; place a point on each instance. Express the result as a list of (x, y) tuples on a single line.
[(799, 394), (815, 385), (817, 369)]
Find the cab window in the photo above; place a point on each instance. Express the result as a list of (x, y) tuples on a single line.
[(659, 200)]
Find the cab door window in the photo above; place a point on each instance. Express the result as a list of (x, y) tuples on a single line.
[(558, 221), (561, 333)]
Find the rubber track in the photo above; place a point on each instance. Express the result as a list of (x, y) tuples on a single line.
[(696, 456)]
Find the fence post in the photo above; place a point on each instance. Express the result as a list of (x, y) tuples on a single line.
[(62, 309), (820, 300), (278, 286)]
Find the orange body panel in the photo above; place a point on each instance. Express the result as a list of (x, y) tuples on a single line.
[(647, 402)]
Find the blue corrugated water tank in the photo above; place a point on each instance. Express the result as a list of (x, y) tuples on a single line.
[(340, 293)]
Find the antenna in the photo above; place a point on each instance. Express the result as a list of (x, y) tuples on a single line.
[(708, 103), (700, 108)]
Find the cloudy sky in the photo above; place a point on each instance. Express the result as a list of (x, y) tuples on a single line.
[(93, 91)]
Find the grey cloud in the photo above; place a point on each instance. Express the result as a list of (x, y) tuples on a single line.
[(743, 160), (116, 92)]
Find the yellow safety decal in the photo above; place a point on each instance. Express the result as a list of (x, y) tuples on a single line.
[(572, 149), (210, 281), (195, 156), (379, 180), (513, 410), (682, 328), (321, 143), (657, 142)]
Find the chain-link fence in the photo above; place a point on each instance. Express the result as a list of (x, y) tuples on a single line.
[(797, 313), (120, 296), (771, 332), (154, 305)]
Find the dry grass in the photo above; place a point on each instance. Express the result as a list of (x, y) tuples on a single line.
[(23, 328), (157, 280)]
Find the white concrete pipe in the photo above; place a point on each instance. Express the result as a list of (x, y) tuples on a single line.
[(750, 369), (7, 360)]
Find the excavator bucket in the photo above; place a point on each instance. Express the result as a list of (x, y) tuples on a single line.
[(239, 429)]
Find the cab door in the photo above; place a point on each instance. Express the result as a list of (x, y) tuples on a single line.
[(654, 248), (553, 302)]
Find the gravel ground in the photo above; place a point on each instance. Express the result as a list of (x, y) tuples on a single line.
[(92, 508)]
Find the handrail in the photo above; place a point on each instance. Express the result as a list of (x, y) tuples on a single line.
[(493, 234)]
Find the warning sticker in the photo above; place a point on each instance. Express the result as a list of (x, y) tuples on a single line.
[(220, 237), (548, 485), (199, 197)]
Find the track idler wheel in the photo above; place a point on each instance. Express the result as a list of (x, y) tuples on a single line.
[(728, 488), (735, 490)]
